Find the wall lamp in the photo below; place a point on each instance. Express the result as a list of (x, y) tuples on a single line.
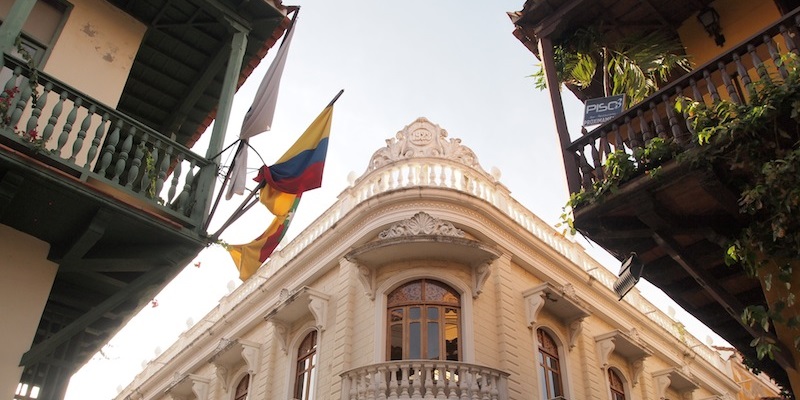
[(629, 274), (709, 18)]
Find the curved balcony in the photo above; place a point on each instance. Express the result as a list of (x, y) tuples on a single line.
[(418, 379)]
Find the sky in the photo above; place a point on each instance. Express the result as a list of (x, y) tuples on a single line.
[(451, 61)]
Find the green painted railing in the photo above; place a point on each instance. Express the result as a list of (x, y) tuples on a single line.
[(101, 146)]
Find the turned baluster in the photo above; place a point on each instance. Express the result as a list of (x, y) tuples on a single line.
[(440, 395), (53, 120), (404, 389), (486, 386), (150, 178), (788, 40), (729, 87), (166, 156), (634, 137), (122, 161), (98, 136), (657, 122), (596, 160), (618, 143), (644, 127), (108, 151), (33, 121), (758, 64), (678, 133), (428, 384), (695, 91), (463, 383), (183, 199), (353, 376), (10, 91), (362, 385), (712, 88), (452, 384), (776, 56), (417, 384), (19, 105), (474, 388), (11, 83), (586, 171), (393, 384), (77, 145), (67, 128), (136, 162), (494, 391), (176, 174), (369, 382), (382, 384), (743, 74)]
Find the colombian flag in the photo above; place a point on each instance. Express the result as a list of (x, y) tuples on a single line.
[(300, 169)]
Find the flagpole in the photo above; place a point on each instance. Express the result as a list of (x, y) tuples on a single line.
[(244, 207), (224, 183), (239, 210)]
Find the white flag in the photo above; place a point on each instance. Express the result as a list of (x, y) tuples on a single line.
[(259, 117)]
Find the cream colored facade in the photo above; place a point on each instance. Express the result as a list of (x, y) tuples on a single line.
[(425, 209)]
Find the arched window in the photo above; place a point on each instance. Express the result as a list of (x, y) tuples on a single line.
[(424, 322), (306, 372), (242, 388), (617, 387), (549, 366)]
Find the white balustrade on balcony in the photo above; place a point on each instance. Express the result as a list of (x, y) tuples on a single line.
[(424, 379)]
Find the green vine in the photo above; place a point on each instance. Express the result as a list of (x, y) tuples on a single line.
[(618, 168), (759, 144)]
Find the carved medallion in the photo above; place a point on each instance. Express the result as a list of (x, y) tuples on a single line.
[(421, 224)]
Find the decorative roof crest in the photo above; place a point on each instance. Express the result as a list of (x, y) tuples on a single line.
[(422, 138), (421, 224)]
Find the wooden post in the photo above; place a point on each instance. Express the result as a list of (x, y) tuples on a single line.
[(554, 88), (205, 188), (12, 25)]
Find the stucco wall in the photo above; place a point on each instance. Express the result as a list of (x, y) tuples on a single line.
[(739, 19), (95, 50), (24, 288)]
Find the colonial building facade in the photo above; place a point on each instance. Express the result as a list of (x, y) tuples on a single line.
[(426, 279)]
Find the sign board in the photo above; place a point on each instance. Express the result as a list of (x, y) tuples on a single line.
[(603, 109)]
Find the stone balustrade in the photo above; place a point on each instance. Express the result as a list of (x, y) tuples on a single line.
[(424, 379)]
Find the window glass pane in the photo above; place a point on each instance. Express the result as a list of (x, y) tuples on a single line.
[(396, 344), (555, 380), (413, 313), (433, 340), (433, 313), (415, 340), (396, 315), (543, 384)]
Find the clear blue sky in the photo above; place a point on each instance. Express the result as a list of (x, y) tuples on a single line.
[(451, 61)]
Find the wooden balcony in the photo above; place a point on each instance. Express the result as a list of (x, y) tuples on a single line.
[(121, 205), (680, 221), (70, 134), (417, 379)]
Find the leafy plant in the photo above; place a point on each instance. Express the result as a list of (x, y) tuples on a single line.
[(634, 65)]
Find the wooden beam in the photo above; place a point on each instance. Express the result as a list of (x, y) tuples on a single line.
[(89, 237), (49, 345), (728, 302), (199, 85), (9, 186), (554, 88)]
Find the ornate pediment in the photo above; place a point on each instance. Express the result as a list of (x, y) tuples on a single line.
[(421, 224), (422, 138)]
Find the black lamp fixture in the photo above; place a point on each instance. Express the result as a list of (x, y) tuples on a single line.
[(709, 18), (629, 273)]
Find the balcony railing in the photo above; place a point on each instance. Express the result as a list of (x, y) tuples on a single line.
[(731, 77), (109, 151), (422, 379)]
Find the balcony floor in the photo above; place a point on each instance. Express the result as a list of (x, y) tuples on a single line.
[(113, 257), (680, 223)]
